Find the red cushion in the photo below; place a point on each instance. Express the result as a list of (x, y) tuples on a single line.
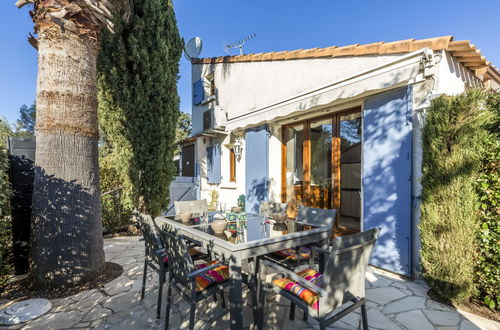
[(291, 254), (310, 297), (212, 277)]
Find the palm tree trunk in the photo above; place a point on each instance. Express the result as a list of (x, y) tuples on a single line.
[(66, 237)]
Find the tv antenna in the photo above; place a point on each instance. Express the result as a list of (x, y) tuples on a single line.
[(192, 48), (239, 44)]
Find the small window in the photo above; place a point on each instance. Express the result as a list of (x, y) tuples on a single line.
[(207, 120), (212, 87), (232, 166)]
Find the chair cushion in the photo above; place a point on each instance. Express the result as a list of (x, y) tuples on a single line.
[(192, 252), (291, 255), (212, 277), (311, 298)]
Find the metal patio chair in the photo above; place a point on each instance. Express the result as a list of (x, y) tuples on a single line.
[(155, 256), (193, 282), (320, 295), (269, 208), (196, 207), (292, 258)]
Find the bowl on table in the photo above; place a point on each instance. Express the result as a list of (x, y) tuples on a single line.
[(218, 225), (279, 217), (185, 217)]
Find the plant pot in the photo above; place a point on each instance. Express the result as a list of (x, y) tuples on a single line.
[(218, 226), (279, 217), (185, 217)]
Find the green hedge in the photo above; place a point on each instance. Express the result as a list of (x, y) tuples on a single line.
[(453, 144), (488, 185), (116, 208), (458, 226), (5, 233)]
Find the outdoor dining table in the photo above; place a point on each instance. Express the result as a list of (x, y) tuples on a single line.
[(259, 237)]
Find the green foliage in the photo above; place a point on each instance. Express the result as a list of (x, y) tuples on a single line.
[(5, 193), (488, 187), (116, 209), (183, 129), (27, 119), (453, 147), (138, 101), (214, 199)]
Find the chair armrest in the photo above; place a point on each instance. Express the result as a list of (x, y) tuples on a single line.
[(288, 273), (191, 240), (206, 269), (160, 253), (320, 250)]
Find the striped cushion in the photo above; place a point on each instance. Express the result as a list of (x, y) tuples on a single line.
[(212, 277), (290, 254), (311, 298), (192, 252)]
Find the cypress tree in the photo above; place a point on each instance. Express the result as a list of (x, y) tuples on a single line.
[(138, 69)]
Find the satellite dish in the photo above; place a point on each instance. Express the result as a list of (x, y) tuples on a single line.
[(192, 48)]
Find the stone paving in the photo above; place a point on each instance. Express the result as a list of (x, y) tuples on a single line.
[(394, 303)]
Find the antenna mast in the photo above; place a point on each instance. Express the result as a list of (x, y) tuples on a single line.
[(239, 44)]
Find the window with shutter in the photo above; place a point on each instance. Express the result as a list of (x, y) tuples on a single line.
[(214, 165), (198, 92)]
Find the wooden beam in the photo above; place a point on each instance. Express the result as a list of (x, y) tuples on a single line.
[(466, 53), (472, 58), (460, 45), (481, 70)]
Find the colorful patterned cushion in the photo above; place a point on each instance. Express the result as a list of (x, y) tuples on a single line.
[(212, 277), (290, 254), (311, 298), (192, 252)]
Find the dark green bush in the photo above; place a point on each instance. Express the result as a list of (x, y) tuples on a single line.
[(453, 149), (488, 185), (5, 233), (116, 207)]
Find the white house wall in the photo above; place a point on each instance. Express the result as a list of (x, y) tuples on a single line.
[(243, 87), (453, 77)]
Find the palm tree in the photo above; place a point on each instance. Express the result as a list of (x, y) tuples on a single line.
[(66, 234)]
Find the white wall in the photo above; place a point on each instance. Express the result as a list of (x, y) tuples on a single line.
[(453, 77), (242, 87)]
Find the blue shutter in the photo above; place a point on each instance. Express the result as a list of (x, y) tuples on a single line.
[(387, 139), (256, 167), (214, 164), (198, 92)]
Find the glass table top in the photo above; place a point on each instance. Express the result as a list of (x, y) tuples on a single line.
[(241, 231)]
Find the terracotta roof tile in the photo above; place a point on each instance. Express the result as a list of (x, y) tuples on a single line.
[(466, 53)]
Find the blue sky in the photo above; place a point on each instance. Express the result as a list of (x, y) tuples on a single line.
[(279, 25)]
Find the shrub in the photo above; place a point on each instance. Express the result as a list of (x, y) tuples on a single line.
[(116, 207), (5, 230), (488, 186), (453, 146)]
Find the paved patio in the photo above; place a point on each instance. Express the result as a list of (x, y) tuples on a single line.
[(393, 304)]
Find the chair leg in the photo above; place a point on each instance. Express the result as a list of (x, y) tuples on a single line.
[(364, 318), (292, 311), (305, 316), (192, 314), (322, 325), (161, 275), (169, 302), (223, 298), (262, 305), (144, 275), (215, 297)]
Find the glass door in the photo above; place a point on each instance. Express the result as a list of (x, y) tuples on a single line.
[(293, 176), (322, 167), (350, 173), (320, 164)]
